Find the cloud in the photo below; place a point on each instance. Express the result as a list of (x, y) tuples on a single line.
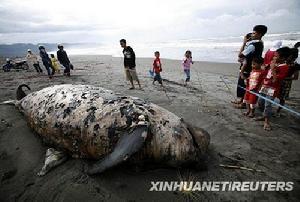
[(140, 20)]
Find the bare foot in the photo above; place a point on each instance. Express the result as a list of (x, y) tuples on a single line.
[(236, 102), (261, 118), (246, 113), (240, 106), (267, 127), (251, 115)]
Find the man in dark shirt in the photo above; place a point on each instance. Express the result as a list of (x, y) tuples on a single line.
[(63, 59), (129, 64), (46, 61), (254, 50)]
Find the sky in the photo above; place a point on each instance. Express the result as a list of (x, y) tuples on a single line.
[(97, 21)]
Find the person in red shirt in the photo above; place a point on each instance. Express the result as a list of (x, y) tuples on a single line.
[(271, 84), (253, 85), (270, 53), (293, 73), (157, 68)]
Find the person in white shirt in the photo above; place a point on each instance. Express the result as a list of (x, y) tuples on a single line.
[(33, 61)]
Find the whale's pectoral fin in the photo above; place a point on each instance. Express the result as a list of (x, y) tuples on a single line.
[(128, 144), (200, 137), (53, 159), (9, 102)]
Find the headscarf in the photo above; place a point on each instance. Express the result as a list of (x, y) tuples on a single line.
[(276, 45)]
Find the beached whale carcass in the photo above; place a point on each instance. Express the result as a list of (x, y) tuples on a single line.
[(91, 122)]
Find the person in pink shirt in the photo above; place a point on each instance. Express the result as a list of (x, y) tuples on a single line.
[(186, 65)]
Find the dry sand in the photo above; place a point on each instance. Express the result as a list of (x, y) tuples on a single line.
[(235, 139)]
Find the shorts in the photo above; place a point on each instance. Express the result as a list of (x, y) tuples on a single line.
[(131, 74), (188, 74), (158, 78), (265, 106), (250, 99), (285, 88)]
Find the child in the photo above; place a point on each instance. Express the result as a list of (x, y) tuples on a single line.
[(157, 68), (186, 64), (270, 53), (54, 63), (293, 73), (271, 84), (253, 85)]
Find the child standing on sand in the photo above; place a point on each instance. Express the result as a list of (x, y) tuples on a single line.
[(271, 84), (157, 68), (253, 85), (186, 64), (54, 63)]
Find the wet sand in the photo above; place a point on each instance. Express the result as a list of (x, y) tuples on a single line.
[(235, 139)]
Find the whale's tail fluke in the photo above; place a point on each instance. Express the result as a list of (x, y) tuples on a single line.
[(20, 93)]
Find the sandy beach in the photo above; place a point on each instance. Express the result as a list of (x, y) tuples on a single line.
[(235, 139)]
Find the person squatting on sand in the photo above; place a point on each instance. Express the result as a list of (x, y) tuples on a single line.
[(254, 49), (7, 66), (46, 61), (186, 65), (129, 64), (271, 84), (157, 68), (54, 63), (33, 61), (254, 82), (64, 59)]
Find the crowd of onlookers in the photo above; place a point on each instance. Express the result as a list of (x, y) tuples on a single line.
[(263, 80), (51, 63)]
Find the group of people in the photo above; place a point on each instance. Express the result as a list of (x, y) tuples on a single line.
[(262, 80), (52, 64), (130, 70)]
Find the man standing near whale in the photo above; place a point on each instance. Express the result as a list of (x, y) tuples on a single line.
[(129, 64), (63, 59)]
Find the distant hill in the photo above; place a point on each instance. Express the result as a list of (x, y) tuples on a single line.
[(20, 49)]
